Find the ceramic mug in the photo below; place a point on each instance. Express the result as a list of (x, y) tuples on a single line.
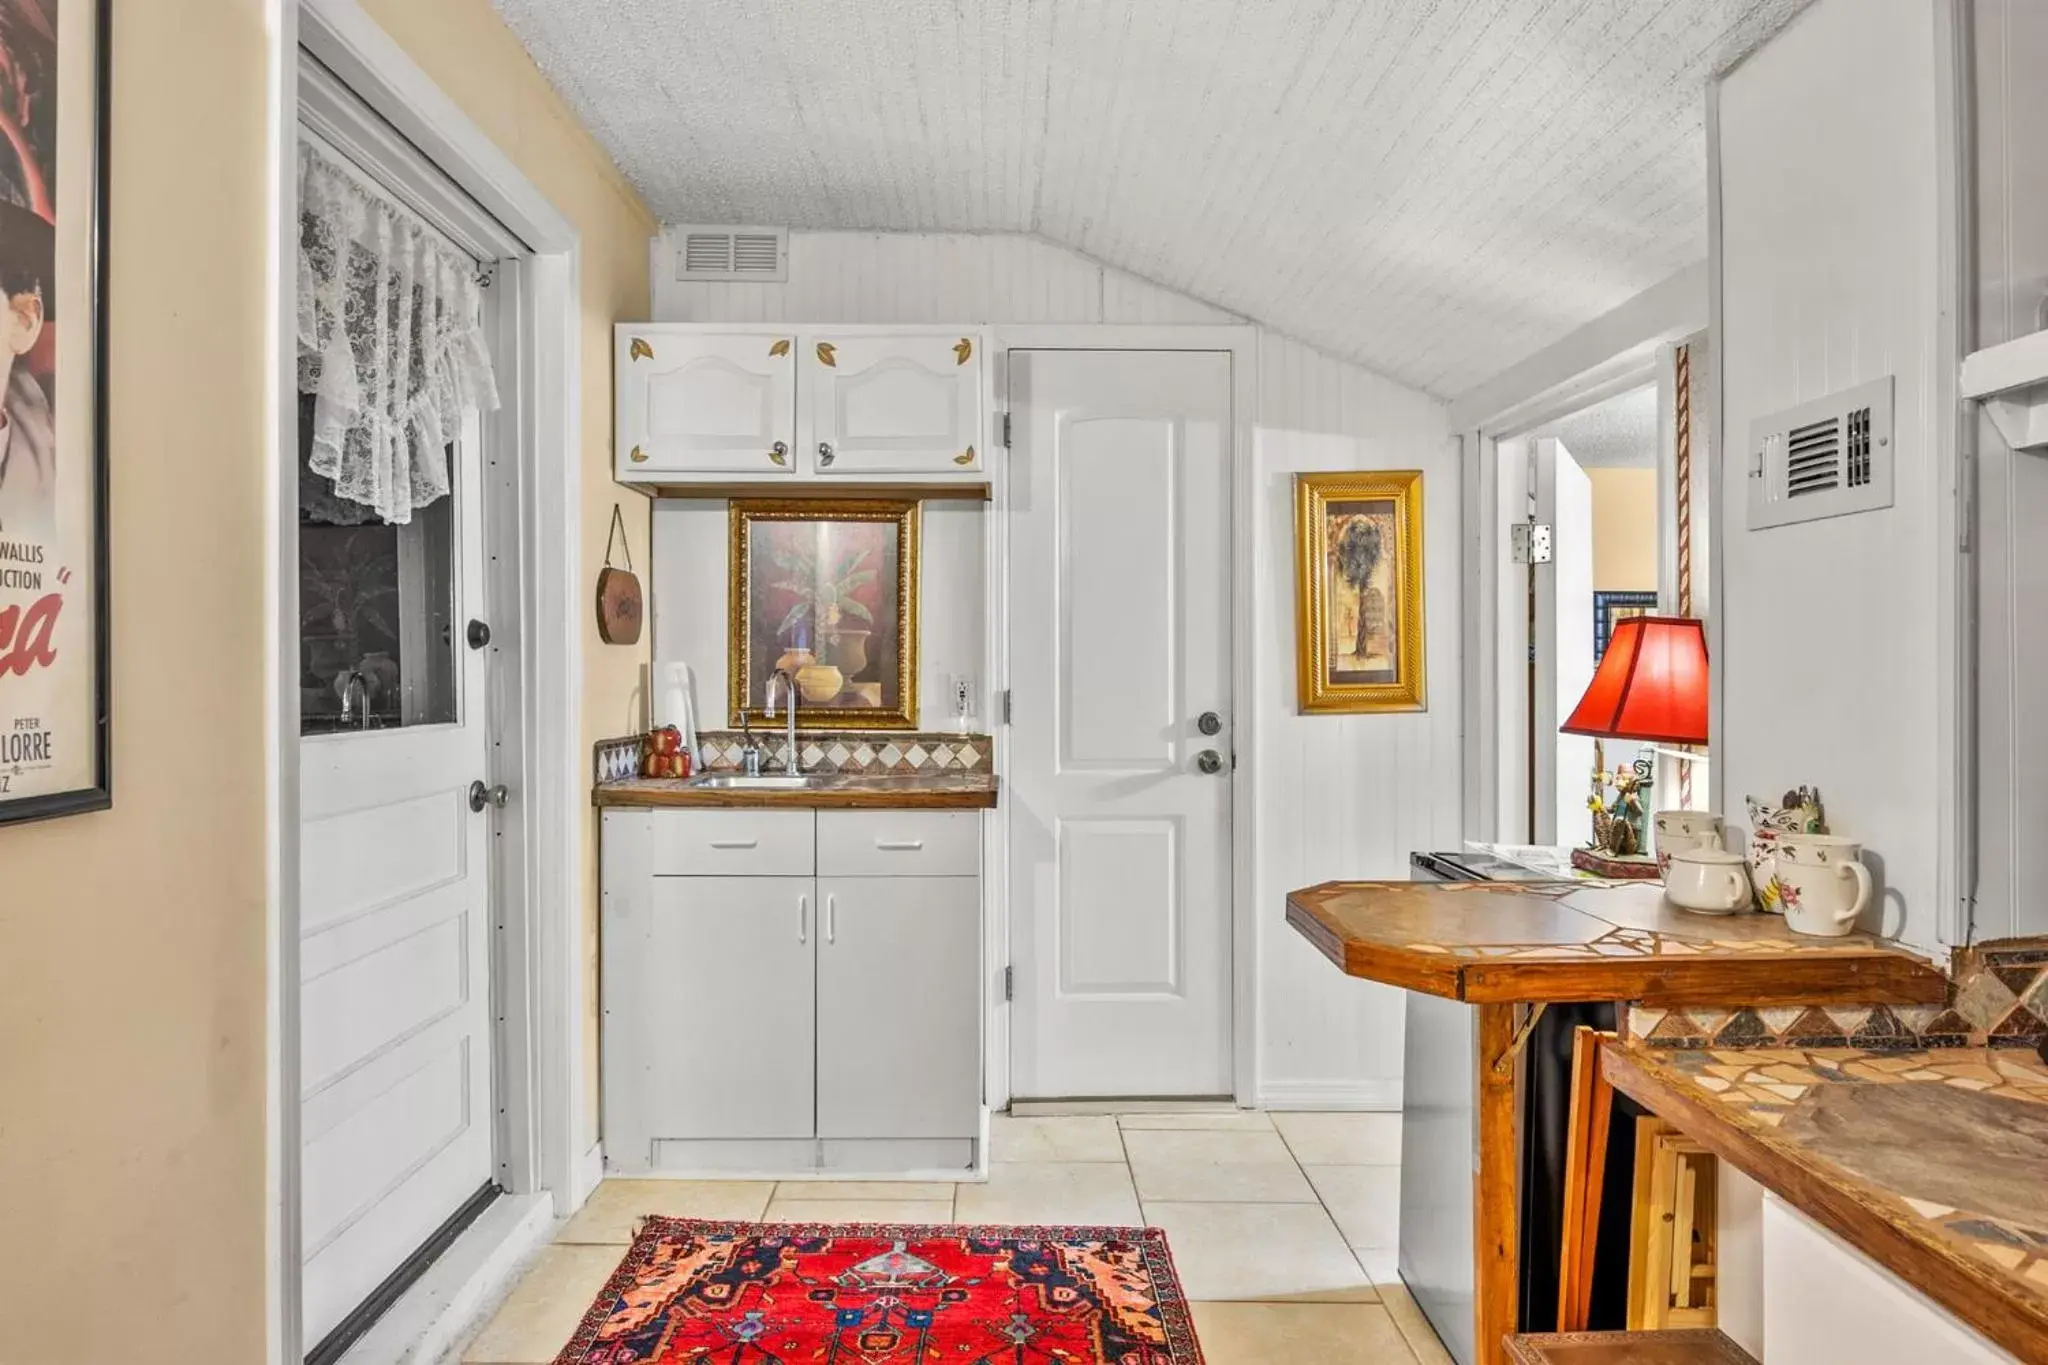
[(1712, 881), (1682, 829), (1821, 883)]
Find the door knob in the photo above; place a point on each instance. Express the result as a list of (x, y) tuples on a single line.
[(1209, 761), (479, 635), (825, 453), (1210, 723), (481, 795)]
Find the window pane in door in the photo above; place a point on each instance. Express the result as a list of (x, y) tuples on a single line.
[(377, 608)]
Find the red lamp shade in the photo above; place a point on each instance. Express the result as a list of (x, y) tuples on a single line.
[(1651, 684)]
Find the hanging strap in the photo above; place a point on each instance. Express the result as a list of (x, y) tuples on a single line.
[(618, 534)]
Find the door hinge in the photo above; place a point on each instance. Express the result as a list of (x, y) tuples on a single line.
[(1003, 705), (1009, 983), (1006, 431), (1529, 542)]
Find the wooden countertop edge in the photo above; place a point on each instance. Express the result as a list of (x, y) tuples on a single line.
[(1873, 978), (824, 798), (1973, 1291)]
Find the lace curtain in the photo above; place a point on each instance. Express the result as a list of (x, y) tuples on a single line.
[(391, 345)]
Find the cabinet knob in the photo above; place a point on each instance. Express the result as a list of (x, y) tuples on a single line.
[(779, 452), (825, 453)]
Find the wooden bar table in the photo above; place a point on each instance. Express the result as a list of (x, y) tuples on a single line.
[(1510, 949)]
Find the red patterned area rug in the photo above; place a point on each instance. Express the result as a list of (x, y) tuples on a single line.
[(882, 1294)]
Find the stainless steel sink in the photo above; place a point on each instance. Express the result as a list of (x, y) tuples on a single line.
[(766, 782)]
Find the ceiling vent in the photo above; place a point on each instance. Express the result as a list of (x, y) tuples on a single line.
[(731, 253), (1826, 458)]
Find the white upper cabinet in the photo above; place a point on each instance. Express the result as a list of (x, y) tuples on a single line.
[(701, 402), (891, 402)]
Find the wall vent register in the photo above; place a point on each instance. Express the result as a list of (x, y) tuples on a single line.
[(1826, 458), (731, 253)]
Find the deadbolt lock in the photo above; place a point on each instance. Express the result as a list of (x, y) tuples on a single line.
[(1210, 723)]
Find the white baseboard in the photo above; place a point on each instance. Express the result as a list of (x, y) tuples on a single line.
[(1375, 1096), (447, 1305)]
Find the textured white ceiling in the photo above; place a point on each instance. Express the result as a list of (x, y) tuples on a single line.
[(1434, 188), (1620, 432)]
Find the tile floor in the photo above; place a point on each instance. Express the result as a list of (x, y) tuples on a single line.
[(1282, 1227)]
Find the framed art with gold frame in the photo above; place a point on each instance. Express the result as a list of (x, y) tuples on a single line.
[(1358, 591), (826, 590)]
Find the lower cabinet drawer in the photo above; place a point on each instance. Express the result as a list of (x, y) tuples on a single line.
[(899, 843), (732, 843)]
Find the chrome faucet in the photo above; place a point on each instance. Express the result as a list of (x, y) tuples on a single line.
[(790, 764), (356, 686)]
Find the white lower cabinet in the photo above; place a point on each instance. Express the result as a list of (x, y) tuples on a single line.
[(899, 970), (1826, 1303), (804, 1015)]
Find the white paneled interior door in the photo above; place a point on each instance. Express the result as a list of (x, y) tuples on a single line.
[(395, 935), (705, 402), (1119, 800), (891, 402)]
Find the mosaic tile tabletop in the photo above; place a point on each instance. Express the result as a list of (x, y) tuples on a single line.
[(1441, 936), (1947, 1146)]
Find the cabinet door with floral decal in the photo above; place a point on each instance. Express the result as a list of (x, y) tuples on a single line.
[(695, 402), (891, 403)]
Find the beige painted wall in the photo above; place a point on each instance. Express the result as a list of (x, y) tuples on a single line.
[(132, 941), (1624, 529), (474, 57), (132, 1043)]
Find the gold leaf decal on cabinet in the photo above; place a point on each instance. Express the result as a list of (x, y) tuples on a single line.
[(828, 353), (965, 457), (780, 348), (640, 350), (638, 456), (962, 349)]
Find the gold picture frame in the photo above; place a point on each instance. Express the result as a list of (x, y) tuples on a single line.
[(826, 589), (1359, 642)]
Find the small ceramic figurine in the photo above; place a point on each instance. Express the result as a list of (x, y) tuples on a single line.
[(1619, 824), (662, 754)]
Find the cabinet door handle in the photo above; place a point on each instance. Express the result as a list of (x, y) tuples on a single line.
[(803, 919), (831, 919), (735, 843), (899, 845)]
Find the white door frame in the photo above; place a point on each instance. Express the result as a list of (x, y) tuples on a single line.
[(1242, 345), (542, 1081)]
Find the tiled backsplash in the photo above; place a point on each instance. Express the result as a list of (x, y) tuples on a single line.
[(893, 753), (1997, 996)]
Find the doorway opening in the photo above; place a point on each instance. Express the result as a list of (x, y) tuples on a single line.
[(1590, 486)]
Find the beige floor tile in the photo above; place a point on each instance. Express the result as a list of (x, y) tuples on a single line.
[(1415, 1328), (616, 1206), (1051, 1192), (1231, 1120), (1326, 1333), (1208, 1166), (1365, 1201), (543, 1311), (1266, 1252), (1078, 1138), (1342, 1139), (787, 1210), (864, 1189)]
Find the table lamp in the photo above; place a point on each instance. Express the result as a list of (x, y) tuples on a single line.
[(1651, 686)]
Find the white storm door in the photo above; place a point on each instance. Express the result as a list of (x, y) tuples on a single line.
[(394, 880), (704, 402), (1119, 648), (891, 402)]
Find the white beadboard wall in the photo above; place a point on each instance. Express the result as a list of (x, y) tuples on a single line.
[(1337, 797), (2011, 41), (1828, 653)]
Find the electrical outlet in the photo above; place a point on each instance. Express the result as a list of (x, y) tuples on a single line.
[(963, 694)]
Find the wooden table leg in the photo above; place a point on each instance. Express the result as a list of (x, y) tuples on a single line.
[(1495, 1233)]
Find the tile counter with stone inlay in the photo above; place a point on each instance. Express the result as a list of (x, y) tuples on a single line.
[(1932, 1161)]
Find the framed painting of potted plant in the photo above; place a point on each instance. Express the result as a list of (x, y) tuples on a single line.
[(826, 591), (1358, 591)]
